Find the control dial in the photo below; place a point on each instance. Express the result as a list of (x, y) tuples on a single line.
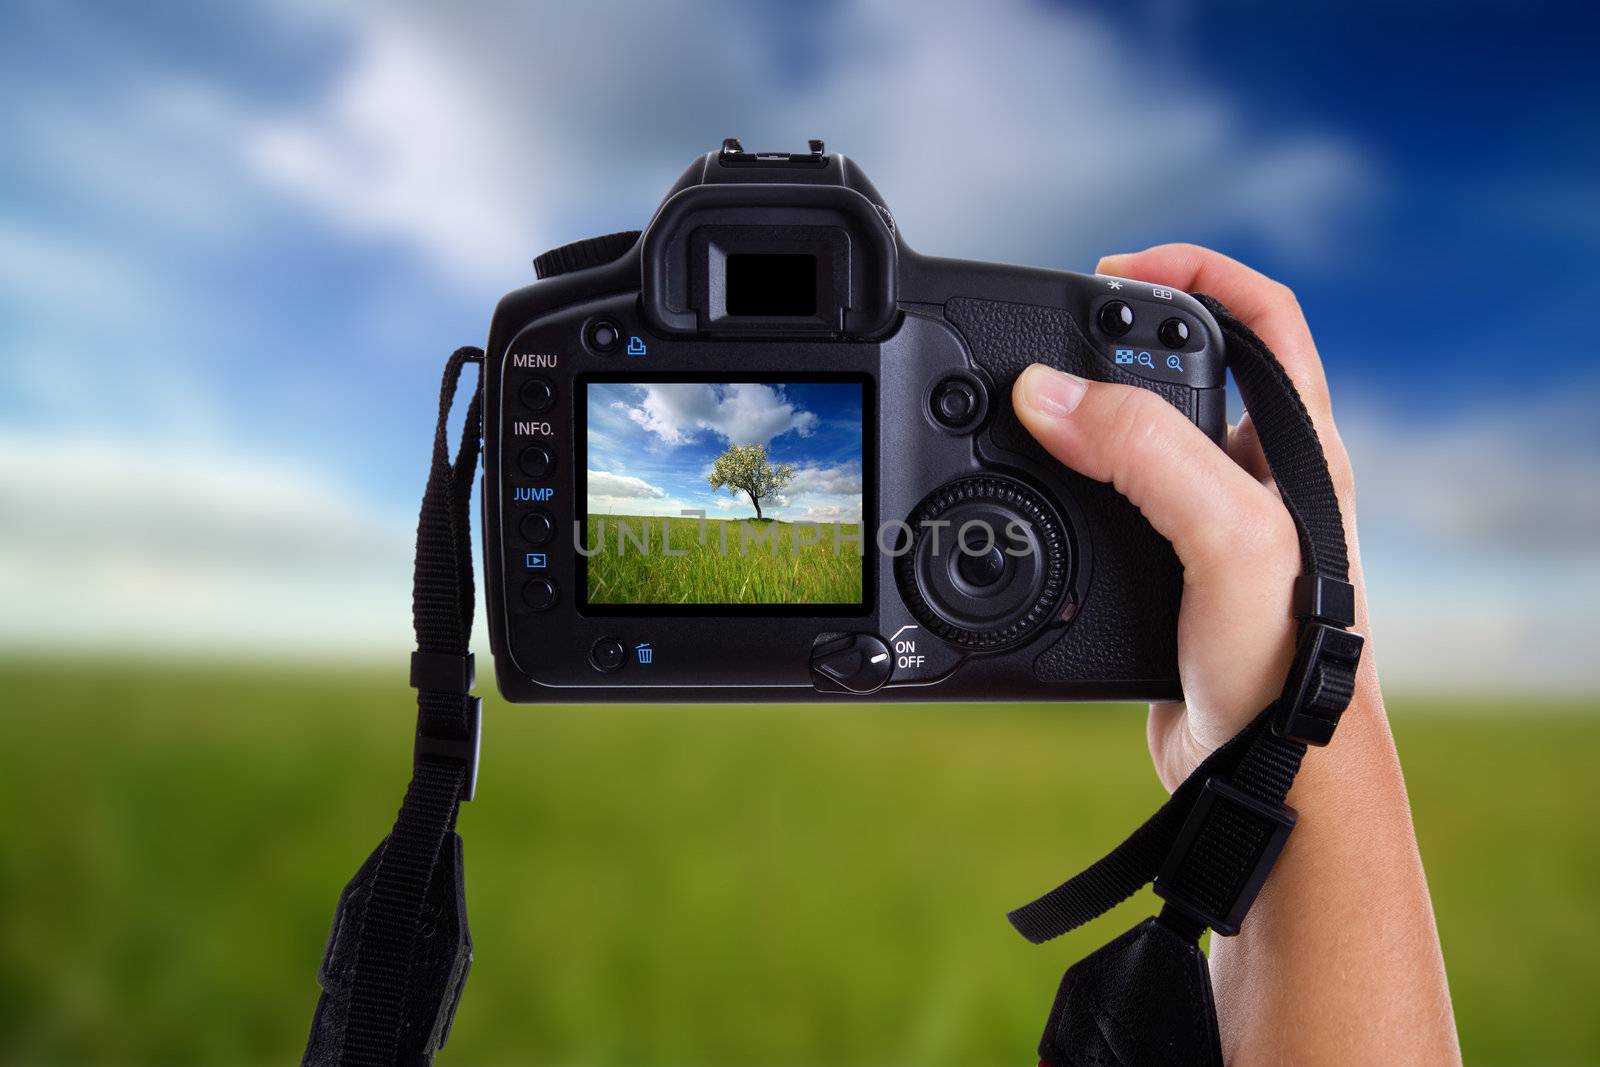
[(988, 562), (581, 255)]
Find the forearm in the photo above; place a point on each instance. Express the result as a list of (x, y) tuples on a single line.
[(1338, 961)]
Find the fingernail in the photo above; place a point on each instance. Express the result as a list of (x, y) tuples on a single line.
[(1051, 392), (1113, 263)]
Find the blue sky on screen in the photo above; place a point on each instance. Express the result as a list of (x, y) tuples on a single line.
[(651, 447), (237, 241)]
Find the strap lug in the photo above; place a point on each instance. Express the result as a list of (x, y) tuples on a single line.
[(1321, 682)]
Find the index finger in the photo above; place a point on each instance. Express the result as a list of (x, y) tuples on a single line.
[(1266, 306)]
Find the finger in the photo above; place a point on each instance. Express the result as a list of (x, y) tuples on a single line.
[(1266, 306), (1211, 510), (1244, 448)]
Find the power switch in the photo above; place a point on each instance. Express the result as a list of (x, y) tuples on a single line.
[(854, 663)]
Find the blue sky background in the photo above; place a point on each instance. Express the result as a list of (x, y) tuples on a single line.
[(236, 243), (652, 447)]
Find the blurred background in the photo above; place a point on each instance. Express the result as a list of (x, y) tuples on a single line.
[(236, 244)]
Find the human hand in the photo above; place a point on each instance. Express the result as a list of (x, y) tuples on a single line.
[(1237, 544)]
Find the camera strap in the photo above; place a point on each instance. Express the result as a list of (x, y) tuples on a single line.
[(399, 950), (1145, 998)]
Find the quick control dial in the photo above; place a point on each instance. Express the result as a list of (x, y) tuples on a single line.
[(988, 562)]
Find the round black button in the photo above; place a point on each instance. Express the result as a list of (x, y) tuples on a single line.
[(981, 569), (1116, 318), (1173, 333), (954, 401), (539, 594), (538, 527), (603, 335), (536, 461), (607, 654), (538, 395), (957, 403)]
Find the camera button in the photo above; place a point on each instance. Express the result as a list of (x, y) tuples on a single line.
[(1174, 333), (603, 336), (538, 527), (607, 655), (954, 401), (1115, 317), (539, 594), (982, 568), (957, 403), (538, 395), (536, 461)]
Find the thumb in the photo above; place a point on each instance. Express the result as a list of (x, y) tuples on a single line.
[(1234, 537), (1190, 491)]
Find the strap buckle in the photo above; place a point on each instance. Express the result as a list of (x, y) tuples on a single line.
[(1223, 855), (462, 750), (1325, 599), (1321, 682), (442, 672)]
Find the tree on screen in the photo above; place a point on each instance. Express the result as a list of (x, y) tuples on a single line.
[(746, 469)]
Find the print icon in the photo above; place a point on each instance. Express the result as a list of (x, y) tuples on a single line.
[(636, 346)]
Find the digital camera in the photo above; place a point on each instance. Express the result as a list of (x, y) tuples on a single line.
[(764, 451)]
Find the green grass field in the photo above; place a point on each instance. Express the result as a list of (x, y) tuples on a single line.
[(738, 561), (658, 886)]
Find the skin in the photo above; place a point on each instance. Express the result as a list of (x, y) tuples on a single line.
[(1338, 961)]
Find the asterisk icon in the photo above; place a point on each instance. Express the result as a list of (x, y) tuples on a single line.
[(1114, 284)]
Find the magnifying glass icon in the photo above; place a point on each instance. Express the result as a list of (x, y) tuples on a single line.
[(1145, 361), (1175, 363)]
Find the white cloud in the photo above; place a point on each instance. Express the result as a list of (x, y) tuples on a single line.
[(841, 480), (613, 494), (741, 413), (1478, 537), (1007, 130), (821, 494), (1518, 478), (110, 546), (407, 142), (605, 483)]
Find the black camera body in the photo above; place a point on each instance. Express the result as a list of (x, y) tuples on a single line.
[(766, 452)]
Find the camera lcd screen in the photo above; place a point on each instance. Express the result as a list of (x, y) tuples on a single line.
[(783, 284), (725, 495)]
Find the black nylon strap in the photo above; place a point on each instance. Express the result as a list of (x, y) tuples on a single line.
[(1130, 866), (1236, 841), (371, 1016)]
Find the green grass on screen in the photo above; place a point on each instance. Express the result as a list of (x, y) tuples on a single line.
[(683, 886), (722, 561)]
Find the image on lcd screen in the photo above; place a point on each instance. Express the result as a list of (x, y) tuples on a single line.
[(776, 468)]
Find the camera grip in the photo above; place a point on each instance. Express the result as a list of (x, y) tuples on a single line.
[(1127, 627)]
